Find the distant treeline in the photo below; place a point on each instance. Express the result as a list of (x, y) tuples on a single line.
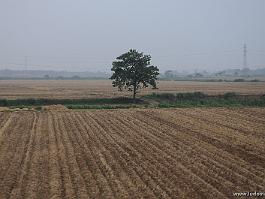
[(237, 75), (53, 78), (42, 74), (214, 80)]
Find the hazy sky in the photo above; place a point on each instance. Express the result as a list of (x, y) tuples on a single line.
[(88, 35)]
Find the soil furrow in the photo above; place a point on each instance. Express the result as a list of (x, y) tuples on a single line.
[(131, 153), (246, 128), (55, 175), (18, 191), (210, 140), (185, 152), (154, 151), (103, 156), (185, 140), (119, 154), (5, 122), (43, 186), (218, 140), (32, 180), (21, 136), (74, 170), (67, 190)]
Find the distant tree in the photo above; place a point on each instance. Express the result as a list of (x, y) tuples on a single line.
[(46, 77), (220, 73), (75, 77), (198, 75), (245, 71), (132, 71), (169, 74), (60, 77)]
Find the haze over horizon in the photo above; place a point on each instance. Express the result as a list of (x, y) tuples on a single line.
[(88, 35)]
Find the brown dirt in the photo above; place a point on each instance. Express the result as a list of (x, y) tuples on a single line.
[(55, 108), (12, 89), (138, 153)]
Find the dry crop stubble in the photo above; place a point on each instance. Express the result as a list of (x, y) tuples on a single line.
[(135, 153), (73, 89)]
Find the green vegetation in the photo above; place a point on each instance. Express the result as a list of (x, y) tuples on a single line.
[(178, 96), (90, 101), (155, 100), (198, 99)]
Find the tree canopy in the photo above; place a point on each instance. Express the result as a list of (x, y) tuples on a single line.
[(132, 71)]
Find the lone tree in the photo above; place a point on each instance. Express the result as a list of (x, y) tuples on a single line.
[(132, 71)]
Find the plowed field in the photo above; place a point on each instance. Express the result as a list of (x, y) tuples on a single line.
[(139, 153)]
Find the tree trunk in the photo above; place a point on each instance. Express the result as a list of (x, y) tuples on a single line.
[(134, 87), (134, 93)]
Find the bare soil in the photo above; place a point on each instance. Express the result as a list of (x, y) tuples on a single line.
[(138, 153)]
